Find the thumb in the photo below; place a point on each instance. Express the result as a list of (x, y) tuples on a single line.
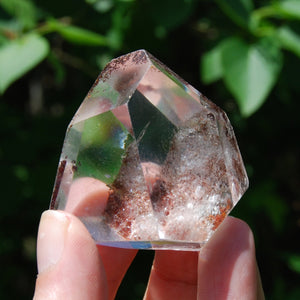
[(69, 264)]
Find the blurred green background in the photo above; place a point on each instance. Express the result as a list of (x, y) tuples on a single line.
[(242, 54)]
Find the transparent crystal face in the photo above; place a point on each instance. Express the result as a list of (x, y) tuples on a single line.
[(148, 162)]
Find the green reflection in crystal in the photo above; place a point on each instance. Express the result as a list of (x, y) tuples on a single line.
[(103, 145), (104, 90)]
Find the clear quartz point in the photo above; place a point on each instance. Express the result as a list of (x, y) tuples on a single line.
[(148, 161)]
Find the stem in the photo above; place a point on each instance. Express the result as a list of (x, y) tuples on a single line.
[(265, 12), (257, 27), (49, 25)]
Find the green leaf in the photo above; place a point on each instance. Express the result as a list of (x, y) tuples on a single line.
[(23, 10), (78, 35), (211, 65), (289, 39), (294, 262), (239, 11), (19, 56), (250, 72), (290, 8)]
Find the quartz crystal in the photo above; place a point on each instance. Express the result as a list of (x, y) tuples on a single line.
[(148, 161)]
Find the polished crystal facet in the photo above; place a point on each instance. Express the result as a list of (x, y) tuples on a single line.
[(148, 161)]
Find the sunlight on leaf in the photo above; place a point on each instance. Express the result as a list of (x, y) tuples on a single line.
[(211, 65), (289, 39), (250, 72), (19, 56), (291, 8)]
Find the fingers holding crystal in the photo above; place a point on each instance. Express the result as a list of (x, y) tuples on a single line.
[(229, 259), (165, 164)]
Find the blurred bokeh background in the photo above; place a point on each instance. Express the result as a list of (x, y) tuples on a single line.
[(242, 54)]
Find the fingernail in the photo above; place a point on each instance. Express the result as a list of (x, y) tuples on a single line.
[(51, 239)]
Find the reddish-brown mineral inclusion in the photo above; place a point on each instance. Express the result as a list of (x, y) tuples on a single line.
[(148, 161)]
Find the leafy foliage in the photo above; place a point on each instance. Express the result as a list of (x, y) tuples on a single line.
[(19, 56), (247, 54), (250, 70)]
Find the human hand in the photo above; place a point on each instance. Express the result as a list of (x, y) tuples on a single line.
[(71, 266)]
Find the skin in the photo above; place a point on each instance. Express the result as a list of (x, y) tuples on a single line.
[(72, 266)]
